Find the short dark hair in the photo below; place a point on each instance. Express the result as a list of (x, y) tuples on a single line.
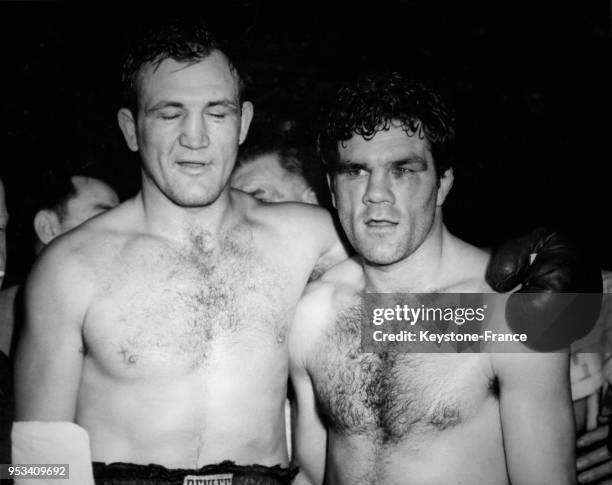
[(372, 102), (55, 188), (58, 197), (181, 39), (56, 191)]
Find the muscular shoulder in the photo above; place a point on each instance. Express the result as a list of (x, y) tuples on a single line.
[(78, 254), (292, 228), (321, 303), (67, 254), (292, 219), (346, 276), (467, 267), (59, 286)]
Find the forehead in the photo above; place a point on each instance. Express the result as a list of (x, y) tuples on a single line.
[(90, 189), (262, 167), (209, 79), (386, 146)]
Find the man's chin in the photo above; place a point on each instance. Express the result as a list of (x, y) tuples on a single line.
[(380, 258), (197, 200)]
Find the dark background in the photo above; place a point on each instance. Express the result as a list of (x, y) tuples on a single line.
[(530, 84)]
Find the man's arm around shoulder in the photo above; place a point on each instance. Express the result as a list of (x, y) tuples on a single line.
[(316, 224)]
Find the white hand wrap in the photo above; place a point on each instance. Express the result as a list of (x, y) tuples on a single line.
[(37, 442)]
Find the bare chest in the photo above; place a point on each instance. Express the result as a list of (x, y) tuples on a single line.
[(166, 311), (390, 397)]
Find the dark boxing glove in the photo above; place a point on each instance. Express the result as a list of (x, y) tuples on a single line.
[(546, 263)]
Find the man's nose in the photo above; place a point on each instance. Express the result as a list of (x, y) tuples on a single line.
[(194, 133), (379, 190)]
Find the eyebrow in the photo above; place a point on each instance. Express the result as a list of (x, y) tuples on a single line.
[(414, 160), (350, 163), (224, 103)]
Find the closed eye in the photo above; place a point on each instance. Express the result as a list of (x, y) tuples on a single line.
[(169, 115)]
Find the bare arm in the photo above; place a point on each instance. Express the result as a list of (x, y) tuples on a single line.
[(309, 433), (333, 248), (536, 416), (50, 350)]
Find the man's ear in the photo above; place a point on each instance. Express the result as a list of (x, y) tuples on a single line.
[(332, 191), (46, 225), (444, 185), (246, 115), (127, 123), (308, 196)]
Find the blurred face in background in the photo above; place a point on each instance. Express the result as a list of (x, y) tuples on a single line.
[(265, 179), (92, 198)]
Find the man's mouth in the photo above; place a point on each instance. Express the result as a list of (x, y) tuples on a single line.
[(375, 222), (193, 167), (192, 163)]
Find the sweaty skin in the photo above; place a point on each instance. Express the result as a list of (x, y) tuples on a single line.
[(392, 418), (160, 326)]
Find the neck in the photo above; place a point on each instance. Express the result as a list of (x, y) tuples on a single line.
[(167, 219), (421, 272)]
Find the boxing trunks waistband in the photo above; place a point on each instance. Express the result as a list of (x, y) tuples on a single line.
[(224, 473)]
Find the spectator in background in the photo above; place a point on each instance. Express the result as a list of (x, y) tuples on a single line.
[(64, 202), (593, 411), (77, 199), (279, 162), (275, 171)]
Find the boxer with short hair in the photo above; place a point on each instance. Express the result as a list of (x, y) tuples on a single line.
[(160, 327), (406, 418)]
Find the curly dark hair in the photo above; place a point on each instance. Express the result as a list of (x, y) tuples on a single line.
[(371, 103), (180, 39)]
